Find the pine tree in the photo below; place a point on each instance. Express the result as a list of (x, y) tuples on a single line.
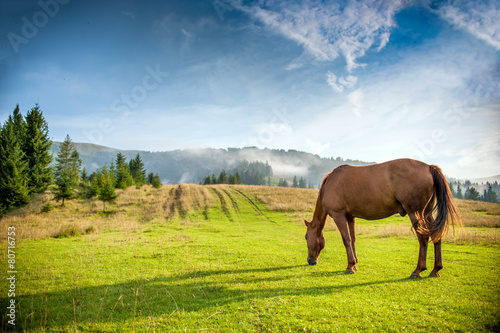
[(36, 147), (472, 194), (237, 178), (84, 176), (459, 192), (94, 184), (295, 182), (150, 177), (302, 183), (489, 194), (137, 170), (207, 180), (13, 168), (67, 171), (122, 174), (19, 125), (156, 182), (222, 178), (452, 189), (106, 187), (282, 183)]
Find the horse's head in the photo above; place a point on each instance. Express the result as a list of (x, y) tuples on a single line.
[(315, 242)]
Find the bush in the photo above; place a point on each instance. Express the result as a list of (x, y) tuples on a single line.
[(90, 230), (68, 231), (46, 208)]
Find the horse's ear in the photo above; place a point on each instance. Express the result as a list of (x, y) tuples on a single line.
[(307, 223)]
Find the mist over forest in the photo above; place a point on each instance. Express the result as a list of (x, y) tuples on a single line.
[(192, 165)]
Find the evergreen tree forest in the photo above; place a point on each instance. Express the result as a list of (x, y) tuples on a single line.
[(27, 166), (489, 193), (248, 173), (25, 159), (252, 173)]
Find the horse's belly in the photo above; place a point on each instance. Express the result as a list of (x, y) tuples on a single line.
[(377, 211)]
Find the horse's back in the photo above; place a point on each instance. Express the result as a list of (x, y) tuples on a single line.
[(378, 190)]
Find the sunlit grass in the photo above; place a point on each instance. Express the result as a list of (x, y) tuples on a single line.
[(231, 258)]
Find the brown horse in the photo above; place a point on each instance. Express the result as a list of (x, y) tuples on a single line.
[(378, 191)]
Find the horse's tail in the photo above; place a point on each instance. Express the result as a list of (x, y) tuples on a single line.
[(445, 207)]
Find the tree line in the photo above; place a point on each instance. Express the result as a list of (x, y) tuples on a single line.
[(100, 183), (298, 183), (27, 166), (253, 173), (247, 173), (489, 193)]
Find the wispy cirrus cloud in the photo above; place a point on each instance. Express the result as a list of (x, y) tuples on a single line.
[(341, 83), (479, 18), (327, 31)]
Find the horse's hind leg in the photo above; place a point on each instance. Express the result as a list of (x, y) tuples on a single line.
[(422, 252), (438, 260)]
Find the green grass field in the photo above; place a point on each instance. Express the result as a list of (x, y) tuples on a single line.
[(233, 258)]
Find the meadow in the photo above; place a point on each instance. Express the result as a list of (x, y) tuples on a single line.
[(222, 258)]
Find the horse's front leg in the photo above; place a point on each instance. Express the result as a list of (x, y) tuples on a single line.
[(341, 222), (352, 232), (438, 260)]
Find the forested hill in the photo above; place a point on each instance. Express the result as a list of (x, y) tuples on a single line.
[(192, 165)]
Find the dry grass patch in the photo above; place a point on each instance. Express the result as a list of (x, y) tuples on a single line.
[(474, 236), (43, 217), (284, 199), (78, 216), (479, 214)]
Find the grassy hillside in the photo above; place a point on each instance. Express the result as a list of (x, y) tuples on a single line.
[(233, 258)]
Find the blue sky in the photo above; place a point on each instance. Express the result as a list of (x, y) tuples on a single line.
[(368, 80)]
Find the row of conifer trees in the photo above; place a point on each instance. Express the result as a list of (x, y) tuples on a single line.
[(25, 159), (26, 165)]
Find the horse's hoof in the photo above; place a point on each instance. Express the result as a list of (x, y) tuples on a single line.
[(434, 275), (415, 276), (348, 271)]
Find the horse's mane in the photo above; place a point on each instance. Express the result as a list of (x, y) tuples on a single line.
[(325, 178), (328, 174)]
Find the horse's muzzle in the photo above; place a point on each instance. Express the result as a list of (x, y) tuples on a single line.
[(311, 261)]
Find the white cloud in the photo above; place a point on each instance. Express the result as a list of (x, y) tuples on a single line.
[(356, 98), (325, 30), (349, 81), (186, 33), (128, 14), (341, 83), (479, 18), (484, 155), (331, 79), (317, 147), (293, 66)]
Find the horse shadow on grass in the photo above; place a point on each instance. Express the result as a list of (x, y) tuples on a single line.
[(167, 295)]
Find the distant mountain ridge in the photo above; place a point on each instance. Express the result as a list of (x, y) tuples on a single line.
[(485, 180), (192, 165)]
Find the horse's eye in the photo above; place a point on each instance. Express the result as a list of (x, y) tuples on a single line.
[(306, 237)]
